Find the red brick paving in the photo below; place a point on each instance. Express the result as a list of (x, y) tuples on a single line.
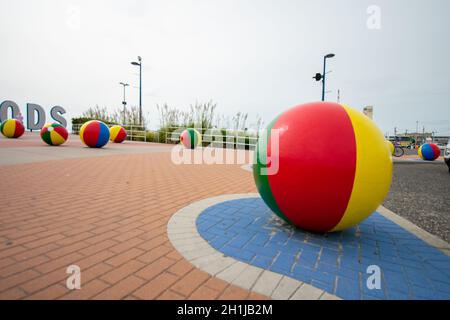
[(108, 215)]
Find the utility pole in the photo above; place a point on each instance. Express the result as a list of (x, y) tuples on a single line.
[(423, 134), (417, 131)]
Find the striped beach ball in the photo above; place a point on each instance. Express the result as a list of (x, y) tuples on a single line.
[(391, 146), (12, 128), (117, 134), (429, 152), (94, 134), (54, 134), (323, 166), (191, 138)]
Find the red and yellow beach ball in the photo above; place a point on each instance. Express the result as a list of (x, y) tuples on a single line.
[(54, 134), (117, 134), (429, 152), (12, 128), (94, 134), (191, 138), (391, 147), (323, 166)]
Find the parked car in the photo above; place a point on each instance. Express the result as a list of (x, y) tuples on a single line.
[(447, 156)]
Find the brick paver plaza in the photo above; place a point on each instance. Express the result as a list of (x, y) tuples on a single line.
[(107, 211)]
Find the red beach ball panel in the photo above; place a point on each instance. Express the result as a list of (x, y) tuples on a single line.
[(327, 187), (91, 133), (437, 151)]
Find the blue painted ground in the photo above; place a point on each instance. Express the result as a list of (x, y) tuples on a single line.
[(247, 230)]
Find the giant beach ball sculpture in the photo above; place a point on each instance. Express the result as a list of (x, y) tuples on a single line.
[(94, 134), (54, 134), (12, 128), (191, 138), (329, 169), (429, 152), (391, 147), (117, 134)]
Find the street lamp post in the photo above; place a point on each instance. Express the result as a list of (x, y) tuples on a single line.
[(124, 102), (140, 87), (330, 55), (322, 76)]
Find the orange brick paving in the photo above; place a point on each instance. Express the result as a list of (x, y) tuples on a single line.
[(32, 139), (108, 215)]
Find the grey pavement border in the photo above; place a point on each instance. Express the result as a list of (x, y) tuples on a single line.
[(20, 155), (439, 161), (183, 234)]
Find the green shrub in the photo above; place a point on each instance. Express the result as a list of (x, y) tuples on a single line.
[(152, 136), (81, 120)]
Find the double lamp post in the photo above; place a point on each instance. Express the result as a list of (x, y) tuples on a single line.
[(139, 64)]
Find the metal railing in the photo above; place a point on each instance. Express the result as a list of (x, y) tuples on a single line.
[(216, 137), (219, 138), (134, 132)]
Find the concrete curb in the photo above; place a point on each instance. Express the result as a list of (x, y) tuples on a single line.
[(183, 234), (247, 167)]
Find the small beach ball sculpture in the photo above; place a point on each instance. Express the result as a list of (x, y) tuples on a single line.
[(94, 134), (391, 146), (191, 138), (12, 128), (429, 152), (117, 134), (54, 134), (322, 166)]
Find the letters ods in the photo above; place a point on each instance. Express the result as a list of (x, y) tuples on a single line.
[(35, 118)]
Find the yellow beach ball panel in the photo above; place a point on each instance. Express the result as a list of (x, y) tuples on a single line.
[(117, 134), (373, 171), (12, 128)]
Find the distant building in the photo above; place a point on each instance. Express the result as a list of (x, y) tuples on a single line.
[(414, 138), (368, 111)]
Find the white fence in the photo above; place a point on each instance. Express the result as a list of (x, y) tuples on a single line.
[(135, 133), (215, 137)]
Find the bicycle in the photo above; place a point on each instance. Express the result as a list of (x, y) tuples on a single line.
[(398, 151)]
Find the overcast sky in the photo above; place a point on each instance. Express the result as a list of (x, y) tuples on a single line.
[(247, 55)]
